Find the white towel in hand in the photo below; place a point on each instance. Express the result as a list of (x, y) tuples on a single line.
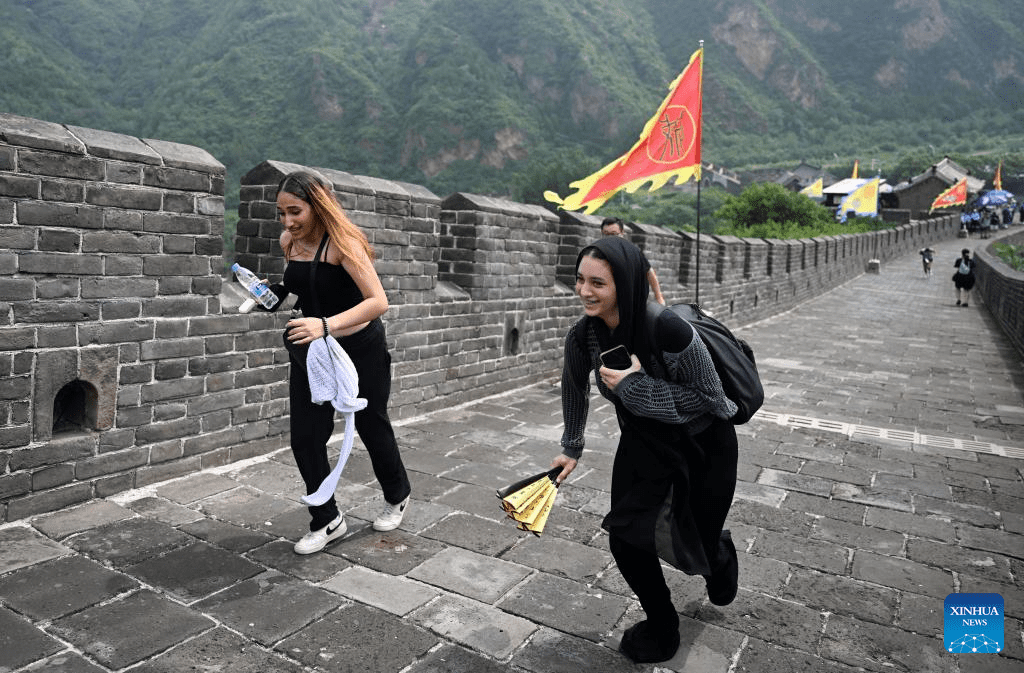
[(333, 378)]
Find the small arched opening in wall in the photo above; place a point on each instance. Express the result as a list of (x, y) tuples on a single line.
[(512, 342), (75, 408), (514, 324)]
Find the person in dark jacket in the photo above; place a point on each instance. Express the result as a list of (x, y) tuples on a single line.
[(963, 279), (674, 472)]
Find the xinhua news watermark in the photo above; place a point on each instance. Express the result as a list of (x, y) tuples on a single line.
[(973, 623)]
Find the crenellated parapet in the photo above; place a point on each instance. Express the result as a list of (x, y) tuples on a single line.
[(123, 357)]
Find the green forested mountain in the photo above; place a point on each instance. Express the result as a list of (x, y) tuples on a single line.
[(489, 95)]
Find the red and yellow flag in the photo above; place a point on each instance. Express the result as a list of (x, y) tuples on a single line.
[(669, 146), (998, 181), (954, 196)]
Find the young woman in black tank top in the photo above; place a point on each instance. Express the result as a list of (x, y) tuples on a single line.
[(350, 299)]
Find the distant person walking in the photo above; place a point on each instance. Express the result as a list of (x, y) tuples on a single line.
[(927, 255), (963, 279), (612, 226)]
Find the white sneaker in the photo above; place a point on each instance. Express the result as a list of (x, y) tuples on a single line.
[(391, 517), (316, 540)]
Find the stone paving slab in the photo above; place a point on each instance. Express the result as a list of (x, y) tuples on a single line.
[(21, 546), (194, 571), (469, 531), (879, 648), (843, 595), (226, 535), (477, 576), (454, 659), (21, 642), (358, 638), (395, 552), (555, 652), (269, 607), (768, 618), (759, 656), (59, 525), (165, 510), (131, 629), (244, 506), (128, 542), (903, 574), (65, 662), (55, 588), (219, 650), (395, 594), (555, 602), (848, 542), (280, 555), (486, 629), (562, 558), (189, 490)]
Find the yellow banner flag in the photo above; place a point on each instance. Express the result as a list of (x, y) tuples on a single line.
[(815, 188), (862, 201)]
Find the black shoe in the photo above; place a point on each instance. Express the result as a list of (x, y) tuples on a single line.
[(647, 644), (957, 302), (965, 304), (723, 582)]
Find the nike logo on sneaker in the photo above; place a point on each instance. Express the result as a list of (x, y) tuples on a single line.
[(330, 531)]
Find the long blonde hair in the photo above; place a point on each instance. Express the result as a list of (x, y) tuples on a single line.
[(328, 215)]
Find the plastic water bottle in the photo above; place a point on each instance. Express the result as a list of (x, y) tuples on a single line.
[(259, 290)]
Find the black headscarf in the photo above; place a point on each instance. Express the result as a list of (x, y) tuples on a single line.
[(629, 271)]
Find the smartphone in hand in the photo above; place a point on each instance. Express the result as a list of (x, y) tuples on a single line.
[(616, 358)]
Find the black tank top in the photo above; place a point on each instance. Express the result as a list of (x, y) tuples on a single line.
[(335, 289)]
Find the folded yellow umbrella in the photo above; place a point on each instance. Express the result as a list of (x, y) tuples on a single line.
[(522, 499), (529, 501)]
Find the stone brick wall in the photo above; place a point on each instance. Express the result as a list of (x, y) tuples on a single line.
[(1002, 289), (123, 360), (118, 368)]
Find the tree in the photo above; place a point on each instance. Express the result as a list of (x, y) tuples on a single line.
[(766, 202)]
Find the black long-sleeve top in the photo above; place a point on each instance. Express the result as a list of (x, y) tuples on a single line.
[(691, 393)]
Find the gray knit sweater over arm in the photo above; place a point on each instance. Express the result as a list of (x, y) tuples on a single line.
[(691, 394)]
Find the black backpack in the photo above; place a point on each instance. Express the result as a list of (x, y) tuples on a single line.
[(733, 357)]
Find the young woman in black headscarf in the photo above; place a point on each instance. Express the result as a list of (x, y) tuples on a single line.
[(675, 467)]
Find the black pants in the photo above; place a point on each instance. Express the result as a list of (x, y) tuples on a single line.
[(712, 489), (313, 424)]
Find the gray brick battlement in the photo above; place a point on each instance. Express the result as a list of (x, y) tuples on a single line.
[(124, 361)]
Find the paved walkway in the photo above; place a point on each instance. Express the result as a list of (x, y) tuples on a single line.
[(884, 473)]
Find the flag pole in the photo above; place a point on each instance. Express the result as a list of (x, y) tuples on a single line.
[(700, 175), (696, 297)]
